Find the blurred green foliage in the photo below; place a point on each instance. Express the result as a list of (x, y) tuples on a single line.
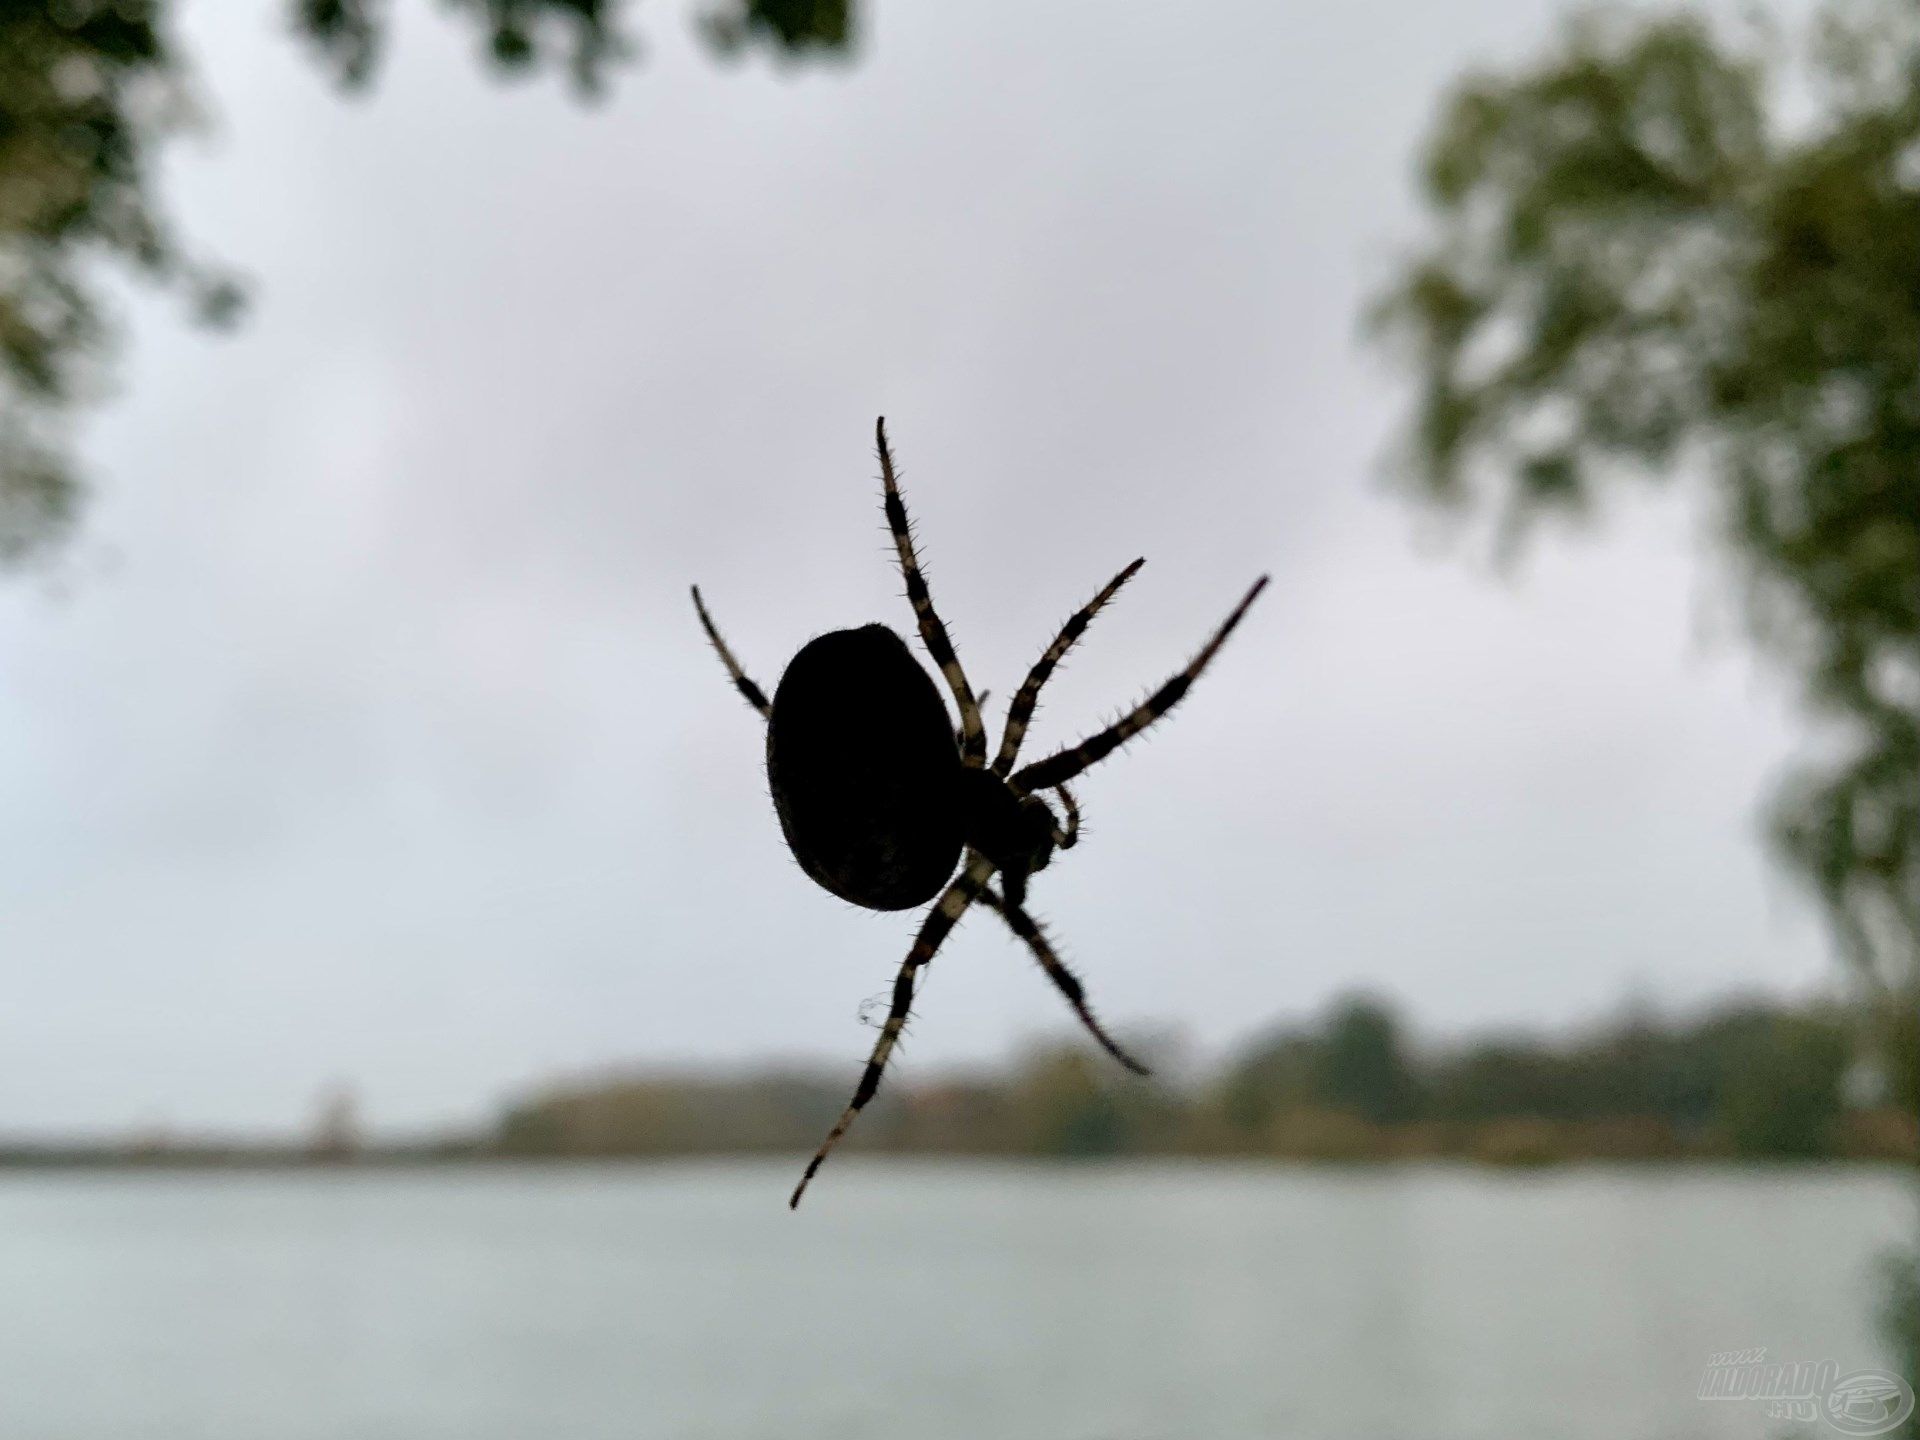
[(90, 92), (1899, 1320), (1749, 1080), (1363, 1065), (1676, 249), (1781, 1089), (1758, 1080), (86, 90), (1357, 1064)]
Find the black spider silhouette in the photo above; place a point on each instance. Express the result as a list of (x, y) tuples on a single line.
[(878, 793)]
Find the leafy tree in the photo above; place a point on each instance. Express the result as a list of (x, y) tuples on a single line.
[(1069, 1105), (1363, 1067), (1674, 250), (91, 90), (1505, 1078), (1273, 1074), (1352, 1060), (1780, 1077)]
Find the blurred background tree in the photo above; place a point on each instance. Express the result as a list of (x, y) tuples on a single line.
[(1363, 1068), (90, 92), (1676, 250), (1673, 250)]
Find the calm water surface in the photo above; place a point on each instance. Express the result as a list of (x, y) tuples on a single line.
[(991, 1303)]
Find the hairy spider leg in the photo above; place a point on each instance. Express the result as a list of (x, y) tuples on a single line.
[(1028, 695), (1064, 765), (1064, 980), (750, 692), (933, 633), (941, 919), (1068, 838), (959, 735)]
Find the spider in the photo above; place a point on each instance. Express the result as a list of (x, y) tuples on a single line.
[(879, 794)]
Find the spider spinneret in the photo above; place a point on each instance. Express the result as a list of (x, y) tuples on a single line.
[(879, 795)]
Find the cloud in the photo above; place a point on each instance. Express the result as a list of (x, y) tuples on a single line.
[(390, 749)]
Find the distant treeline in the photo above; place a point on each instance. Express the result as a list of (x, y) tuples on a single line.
[(1753, 1080), (1758, 1079)]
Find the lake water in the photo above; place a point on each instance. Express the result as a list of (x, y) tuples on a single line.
[(927, 1300)]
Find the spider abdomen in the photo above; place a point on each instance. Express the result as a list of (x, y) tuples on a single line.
[(864, 770)]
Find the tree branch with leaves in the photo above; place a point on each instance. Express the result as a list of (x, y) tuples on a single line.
[(90, 93), (1642, 266)]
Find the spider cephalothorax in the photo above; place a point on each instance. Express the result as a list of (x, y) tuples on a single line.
[(880, 796)]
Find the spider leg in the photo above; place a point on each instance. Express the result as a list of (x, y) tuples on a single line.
[(1063, 765), (973, 735), (750, 692), (1021, 711), (1013, 878), (1068, 838), (939, 923), (1064, 980), (960, 736)]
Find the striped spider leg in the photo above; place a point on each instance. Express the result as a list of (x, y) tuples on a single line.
[(941, 919), (933, 633), (1064, 765), (1020, 712), (750, 692), (1064, 980)]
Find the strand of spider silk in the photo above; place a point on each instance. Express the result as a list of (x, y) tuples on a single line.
[(941, 919), (1064, 765), (933, 631), (1028, 695), (1064, 980)]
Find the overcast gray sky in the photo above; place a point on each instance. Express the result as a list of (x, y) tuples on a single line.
[(373, 738)]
